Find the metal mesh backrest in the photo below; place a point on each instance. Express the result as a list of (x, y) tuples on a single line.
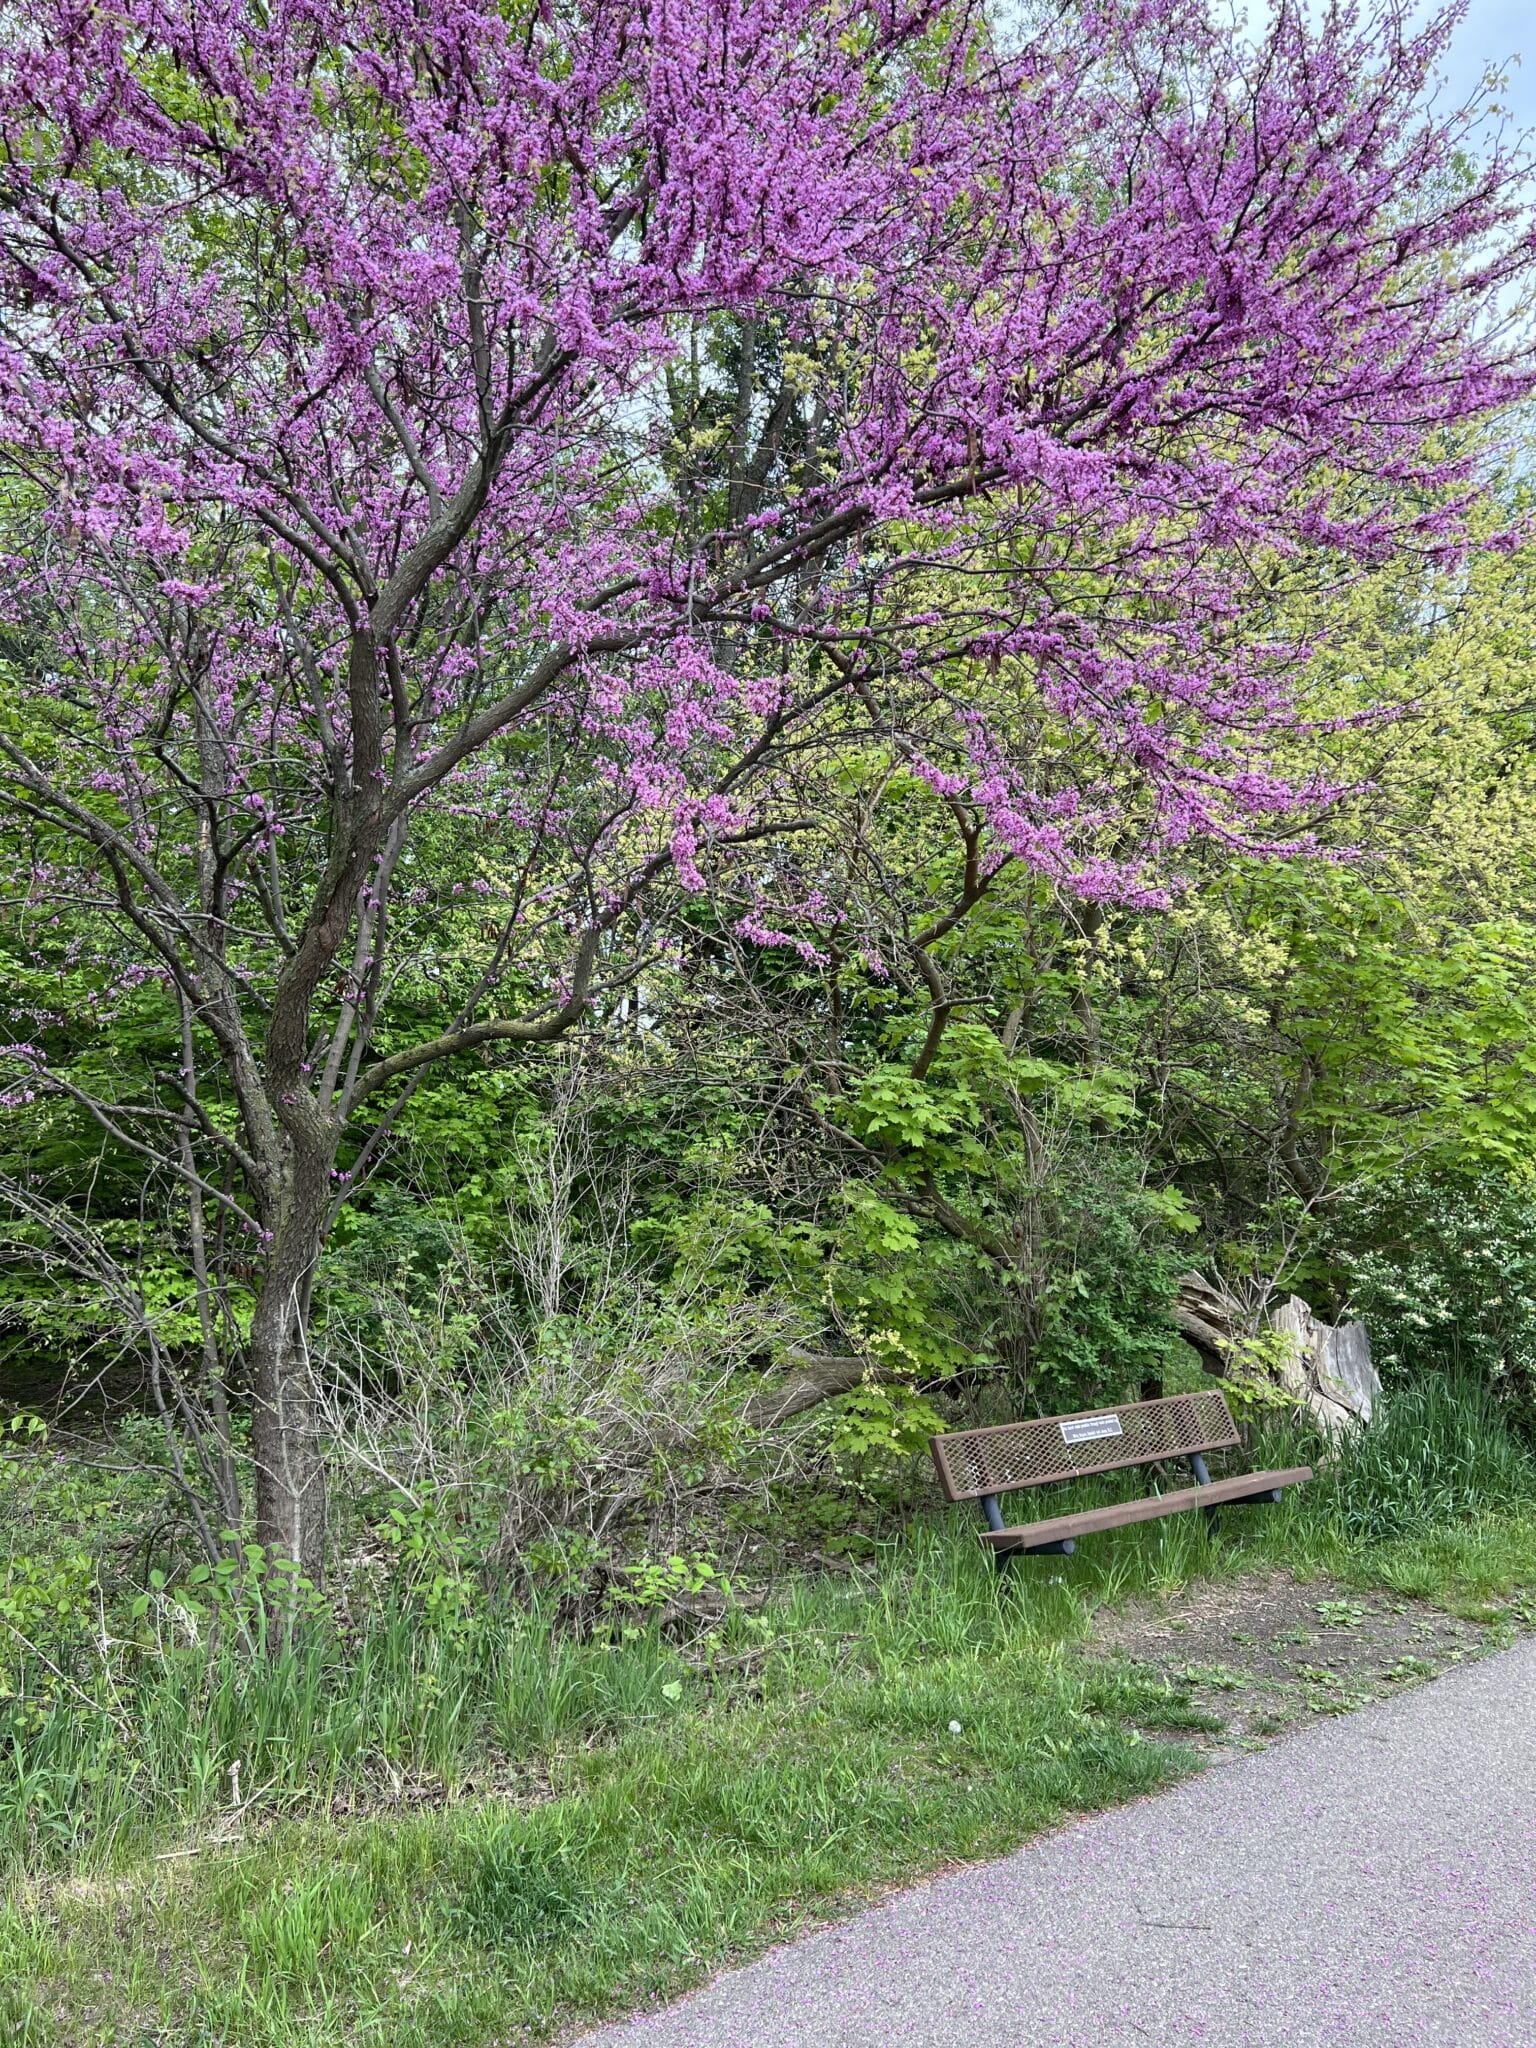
[(977, 1461)]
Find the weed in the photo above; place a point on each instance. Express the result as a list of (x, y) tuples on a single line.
[(1219, 1677), (1340, 1613), (1411, 1668)]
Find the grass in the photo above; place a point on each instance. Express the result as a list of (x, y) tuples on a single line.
[(1441, 1456), (484, 1835), (671, 1816)]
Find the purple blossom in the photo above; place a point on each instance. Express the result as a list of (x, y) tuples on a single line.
[(340, 358)]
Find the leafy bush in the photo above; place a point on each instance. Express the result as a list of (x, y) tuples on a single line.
[(1443, 1269), (1111, 1266), (567, 1449)]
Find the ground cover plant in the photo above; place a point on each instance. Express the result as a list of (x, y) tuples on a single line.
[(489, 1831)]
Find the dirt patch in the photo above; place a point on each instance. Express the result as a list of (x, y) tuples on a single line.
[(1261, 1654)]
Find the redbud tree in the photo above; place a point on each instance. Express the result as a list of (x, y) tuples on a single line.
[(553, 427)]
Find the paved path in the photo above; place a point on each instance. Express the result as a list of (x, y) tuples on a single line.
[(1367, 1883)]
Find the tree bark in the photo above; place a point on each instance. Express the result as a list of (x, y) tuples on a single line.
[(1208, 1320), (290, 1489), (821, 1375)]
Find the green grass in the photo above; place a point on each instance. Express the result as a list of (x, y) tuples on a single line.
[(1439, 1455), (667, 1817), (482, 1836)]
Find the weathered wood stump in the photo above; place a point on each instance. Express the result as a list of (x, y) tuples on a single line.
[(1324, 1370)]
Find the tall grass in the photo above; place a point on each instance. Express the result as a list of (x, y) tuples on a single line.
[(448, 1835), (1438, 1453), (184, 1735), (641, 1807), (176, 1734)]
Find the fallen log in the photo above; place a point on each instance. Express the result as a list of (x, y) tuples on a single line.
[(818, 1376), (1209, 1319)]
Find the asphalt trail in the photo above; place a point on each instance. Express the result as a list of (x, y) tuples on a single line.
[(1367, 1883)]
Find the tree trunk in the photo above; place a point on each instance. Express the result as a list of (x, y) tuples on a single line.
[(285, 1434), (1209, 1320), (819, 1377)]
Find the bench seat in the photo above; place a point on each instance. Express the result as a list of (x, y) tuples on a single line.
[(1254, 1487)]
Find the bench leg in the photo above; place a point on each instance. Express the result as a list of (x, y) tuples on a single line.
[(1202, 1473), (1003, 1559), (994, 1515)]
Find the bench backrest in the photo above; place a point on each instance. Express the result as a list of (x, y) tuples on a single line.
[(972, 1462)]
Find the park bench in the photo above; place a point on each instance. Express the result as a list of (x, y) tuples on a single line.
[(980, 1464)]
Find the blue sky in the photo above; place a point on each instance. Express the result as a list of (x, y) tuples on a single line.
[(1493, 31)]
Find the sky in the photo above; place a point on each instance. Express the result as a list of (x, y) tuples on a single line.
[(1494, 30)]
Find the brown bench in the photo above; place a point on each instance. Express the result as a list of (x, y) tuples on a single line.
[(979, 1464)]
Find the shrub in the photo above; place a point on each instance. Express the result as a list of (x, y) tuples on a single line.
[(1443, 1269)]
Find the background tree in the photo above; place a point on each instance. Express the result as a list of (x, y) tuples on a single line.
[(463, 426)]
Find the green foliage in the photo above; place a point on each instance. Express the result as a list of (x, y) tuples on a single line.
[(1111, 1263), (879, 1427), (1443, 1267), (1438, 1454), (649, 1585)]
